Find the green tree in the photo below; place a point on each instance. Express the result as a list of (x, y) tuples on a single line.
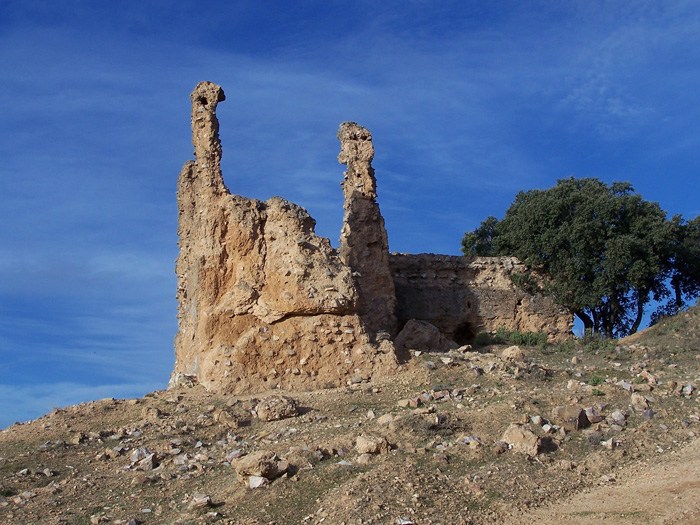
[(480, 241), (685, 277), (604, 251)]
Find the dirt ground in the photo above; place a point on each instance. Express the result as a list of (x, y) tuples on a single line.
[(601, 432), (655, 491)]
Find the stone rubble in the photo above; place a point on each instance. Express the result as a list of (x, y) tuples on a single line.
[(274, 408)]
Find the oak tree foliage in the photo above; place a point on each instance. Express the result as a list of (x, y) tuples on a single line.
[(604, 250)]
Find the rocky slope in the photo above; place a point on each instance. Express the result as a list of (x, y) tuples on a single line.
[(479, 437)]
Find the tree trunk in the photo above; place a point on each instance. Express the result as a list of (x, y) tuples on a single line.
[(608, 329), (596, 322), (607, 322), (640, 313), (676, 284)]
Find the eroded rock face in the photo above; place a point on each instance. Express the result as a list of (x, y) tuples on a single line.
[(263, 301), (364, 246)]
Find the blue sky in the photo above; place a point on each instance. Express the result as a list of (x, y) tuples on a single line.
[(468, 103)]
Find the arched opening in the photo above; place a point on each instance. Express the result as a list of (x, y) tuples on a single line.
[(464, 334)]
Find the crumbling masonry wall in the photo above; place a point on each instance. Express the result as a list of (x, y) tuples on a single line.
[(462, 296), (263, 302), (364, 245)]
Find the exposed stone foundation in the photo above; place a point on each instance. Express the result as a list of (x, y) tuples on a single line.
[(263, 302)]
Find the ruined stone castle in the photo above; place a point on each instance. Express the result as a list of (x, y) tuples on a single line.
[(263, 302)]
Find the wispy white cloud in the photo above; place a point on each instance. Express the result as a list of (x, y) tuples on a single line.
[(468, 103), (24, 402)]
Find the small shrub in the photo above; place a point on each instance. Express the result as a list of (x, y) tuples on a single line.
[(528, 338), (594, 343), (503, 336), (596, 381), (567, 346), (597, 392), (482, 339)]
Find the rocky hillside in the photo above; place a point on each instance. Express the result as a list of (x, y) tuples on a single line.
[(473, 436)]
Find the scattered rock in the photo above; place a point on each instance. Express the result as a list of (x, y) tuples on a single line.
[(234, 454), (151, 414), (276, 407), (368, 444), (255, 482), (639, 402), (609, 444), (572, 384), (226, 419), (200, 501), (649, 377), (78, 438), (626, 385), (593, 415), (521, 439), (263, 463), (566, 464), (618, 418), (570, 418), (514, 354), (363, 459), (594, 438), (148, 463), (385, 419), (415, 402)]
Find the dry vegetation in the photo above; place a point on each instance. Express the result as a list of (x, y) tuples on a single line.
[(430, 450)]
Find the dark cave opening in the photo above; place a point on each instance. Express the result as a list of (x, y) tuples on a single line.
[(464, 334)]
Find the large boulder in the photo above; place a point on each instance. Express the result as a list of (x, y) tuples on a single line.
[(423, 336)]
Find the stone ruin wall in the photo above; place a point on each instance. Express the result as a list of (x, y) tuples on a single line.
[(364, 246), (263, 302), (463, 296)]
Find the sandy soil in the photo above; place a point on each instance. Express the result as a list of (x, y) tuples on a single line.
[(663, 490)]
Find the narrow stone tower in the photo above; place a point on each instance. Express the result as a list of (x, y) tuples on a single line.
[(364, 246)]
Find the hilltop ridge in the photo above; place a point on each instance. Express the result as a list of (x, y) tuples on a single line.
[(465, 436)]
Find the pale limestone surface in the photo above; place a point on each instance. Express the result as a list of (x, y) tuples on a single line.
[(263, 302), (364, 245)]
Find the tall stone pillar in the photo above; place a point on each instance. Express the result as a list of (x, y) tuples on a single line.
[(263, 302), (205, 134), (364, 246)]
